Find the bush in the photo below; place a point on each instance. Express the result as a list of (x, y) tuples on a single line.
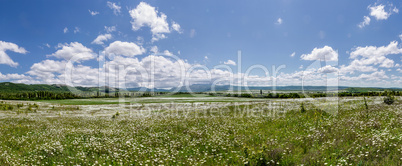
[(146, 95), (302, 109), (389, 99)]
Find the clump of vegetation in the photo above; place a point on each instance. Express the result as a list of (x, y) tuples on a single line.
[(146, 95), (302, 108), (365, 103), (6, 106), (389, 99), (116, 115), (20, 105)]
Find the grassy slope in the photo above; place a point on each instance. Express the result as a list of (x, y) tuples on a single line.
[(210, 138)]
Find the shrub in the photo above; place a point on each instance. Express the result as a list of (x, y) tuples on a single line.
[(365, 103), (389, 99), (146, 95), (302, 108)]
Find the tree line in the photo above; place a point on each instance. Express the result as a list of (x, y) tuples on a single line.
[(313, 95)]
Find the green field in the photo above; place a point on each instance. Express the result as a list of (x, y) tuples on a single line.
[(239, 132)]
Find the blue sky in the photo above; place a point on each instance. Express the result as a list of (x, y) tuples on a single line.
[(350, 43)]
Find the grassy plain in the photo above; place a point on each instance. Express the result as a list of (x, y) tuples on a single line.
[(155, 131)]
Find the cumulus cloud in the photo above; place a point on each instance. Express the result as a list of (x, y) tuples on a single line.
[(366, 21), (124, 48), (325, 53), (114, 7), (378, 11), (13, 76), (176, 27), (146, 15), (101, 38), (7, 46), (377, 76), (328, 69), (154, 49), (373, 51), (65, 30), (46, 68), (230, 62), (364, 58), (167, 53), (93, 13), (387, 63), (74, 49)]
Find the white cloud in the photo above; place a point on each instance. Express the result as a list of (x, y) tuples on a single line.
[(176, 27), (124, 48), (110, 29), (76, 30), (74, 49), (328, 69), (146, 15), (378, 11), (370, 51), (65, 30), (377, 76), (279, 21), (167, 53), (326, 53), (293, 54), (101, 38), (206, 57), (93, 13), (365, 22), (47, 68), (154, 49), (399, 70), (230, 62), (387, 63), (47, 45), (366, 57), (7, 46), (114, 7), (400, 37), (13, 76)]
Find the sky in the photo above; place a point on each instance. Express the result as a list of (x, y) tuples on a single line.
[(164, 44)]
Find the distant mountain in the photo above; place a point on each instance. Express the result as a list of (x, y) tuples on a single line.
[(18, 87)]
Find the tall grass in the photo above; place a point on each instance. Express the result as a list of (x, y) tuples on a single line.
[(310, 138)]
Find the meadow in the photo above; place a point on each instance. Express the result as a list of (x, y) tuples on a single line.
[(201, 130)]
